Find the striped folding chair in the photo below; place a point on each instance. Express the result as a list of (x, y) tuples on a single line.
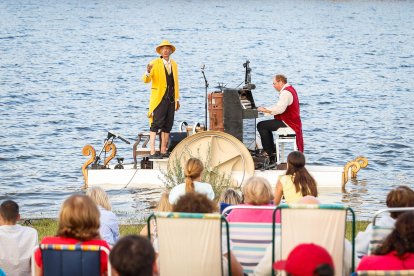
[(190, 243), (322, 224), (379, 233), (249, 240), (71, 259)]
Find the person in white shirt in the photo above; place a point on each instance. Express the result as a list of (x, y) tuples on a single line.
[(16, 242), (401, 196), (286, 112), (109, 229), (193, 170)]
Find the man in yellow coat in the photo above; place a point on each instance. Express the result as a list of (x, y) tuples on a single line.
[(163, 73)]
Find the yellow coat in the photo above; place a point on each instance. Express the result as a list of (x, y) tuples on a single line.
[(159, 83)]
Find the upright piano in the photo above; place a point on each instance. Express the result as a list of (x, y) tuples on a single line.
[(229, 107)]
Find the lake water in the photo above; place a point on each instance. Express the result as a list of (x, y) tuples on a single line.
[(70, 70)]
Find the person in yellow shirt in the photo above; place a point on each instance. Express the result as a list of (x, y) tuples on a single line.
[(162, 72), (297, 182)]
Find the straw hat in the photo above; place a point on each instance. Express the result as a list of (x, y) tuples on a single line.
[(165, 43)]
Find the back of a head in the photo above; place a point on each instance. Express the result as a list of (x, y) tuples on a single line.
[(100, 197), (164, 204), (193, 169), (194, 203), (9, 211), (133, 256), (231, 196), (401, 196), (79, 218), (302, 179), (401, 239), (257, 191)]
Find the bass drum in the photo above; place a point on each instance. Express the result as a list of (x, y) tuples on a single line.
[(219, 151)]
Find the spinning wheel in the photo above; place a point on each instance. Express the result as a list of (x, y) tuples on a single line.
[(219, 151)]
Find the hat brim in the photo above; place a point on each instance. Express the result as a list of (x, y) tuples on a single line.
[(279, 265), (158, 49)]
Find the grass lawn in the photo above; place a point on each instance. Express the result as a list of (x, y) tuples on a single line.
[(48, 227)]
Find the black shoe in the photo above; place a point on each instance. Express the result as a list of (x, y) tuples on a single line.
[(155, 156), (165, 155)]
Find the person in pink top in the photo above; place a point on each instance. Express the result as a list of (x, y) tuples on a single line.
[(256, 192), (397, 251), (78, 224)]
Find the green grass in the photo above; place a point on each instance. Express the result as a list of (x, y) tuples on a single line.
[(48, 227)]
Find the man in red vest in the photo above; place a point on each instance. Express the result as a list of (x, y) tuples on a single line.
[(286, 112)]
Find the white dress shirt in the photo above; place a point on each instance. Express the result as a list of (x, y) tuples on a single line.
[(285, 99)]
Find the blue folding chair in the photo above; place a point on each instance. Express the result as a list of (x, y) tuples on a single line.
[(71, 259)]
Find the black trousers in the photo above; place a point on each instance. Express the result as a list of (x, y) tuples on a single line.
[(163, 116), (265, 129)]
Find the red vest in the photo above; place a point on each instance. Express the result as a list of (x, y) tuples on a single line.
[(291, 117)]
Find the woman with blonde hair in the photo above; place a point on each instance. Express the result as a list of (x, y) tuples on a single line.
[(193, 170), (297, 182), (109, 229), (256, 192), (78, 224)]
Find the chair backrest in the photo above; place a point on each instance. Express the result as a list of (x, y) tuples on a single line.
[(322, 224), (189, 243), (384, 272), (76, 259), (379, 233), (249, 240)]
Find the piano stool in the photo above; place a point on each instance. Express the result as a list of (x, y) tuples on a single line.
[(284, 135)]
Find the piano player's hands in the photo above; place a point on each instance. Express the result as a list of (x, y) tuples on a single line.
[(263, 109)]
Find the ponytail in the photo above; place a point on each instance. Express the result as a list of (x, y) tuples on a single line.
[(193, 170)]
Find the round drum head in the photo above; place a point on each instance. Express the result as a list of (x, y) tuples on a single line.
[(217, 150)]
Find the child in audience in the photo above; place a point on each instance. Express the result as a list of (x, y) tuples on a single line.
[(397, 251), (297, 182), (78, 224), (133, 255), (401, 196), (162, 206), (230, 197), (307, 259), (256, 192), (109, 228), (193, 170), (16, 242)]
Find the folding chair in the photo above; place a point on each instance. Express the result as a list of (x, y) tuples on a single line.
[(71, 259), (379, 233), (190, 243), (249, 240), (322, 224)]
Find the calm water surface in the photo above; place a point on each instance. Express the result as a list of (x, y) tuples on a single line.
[(71, 70)]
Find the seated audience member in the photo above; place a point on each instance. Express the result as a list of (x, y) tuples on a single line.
[(78, 224), (256, 192), (397, 251), (16, 242), (162, 206), (133, 256), (297, 182), (193, 170), (307, 259), (263, 268), (109, 229), (229, 197), (401, 196), (199, 203)]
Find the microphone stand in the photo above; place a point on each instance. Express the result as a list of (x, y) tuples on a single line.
[(205, 103)]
